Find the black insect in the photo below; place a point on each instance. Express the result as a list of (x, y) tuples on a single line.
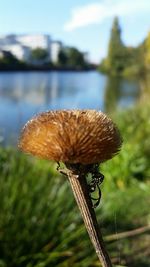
[(97, 179)]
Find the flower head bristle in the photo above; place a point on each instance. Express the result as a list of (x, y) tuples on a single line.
[(71, 136)]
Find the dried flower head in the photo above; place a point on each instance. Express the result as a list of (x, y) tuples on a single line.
[(71, 136)]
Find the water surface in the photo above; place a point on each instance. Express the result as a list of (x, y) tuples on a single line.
[(24, 94)]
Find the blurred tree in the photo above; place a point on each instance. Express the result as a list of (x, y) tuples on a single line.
[(71, 57), (9, 61), (115, 60), (122, 60), (62, 58), (75, 58), (134, 61), (116, 47), (39, 54), (147, 52)]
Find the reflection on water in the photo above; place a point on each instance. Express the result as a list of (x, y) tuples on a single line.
[(120, 93), (24, 94), (145, 89)]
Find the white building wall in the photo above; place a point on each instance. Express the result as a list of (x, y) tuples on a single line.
[(21, 45), (34, 41), (55, 49), (19, 51)]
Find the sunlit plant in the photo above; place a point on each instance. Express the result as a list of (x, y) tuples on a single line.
[(81, 139)]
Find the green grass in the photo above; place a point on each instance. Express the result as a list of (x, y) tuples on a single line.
[(40, 224)]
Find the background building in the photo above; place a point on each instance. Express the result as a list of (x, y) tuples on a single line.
[(39, 49), (34, 41), (55, 48), (19, 51), (21, 46)]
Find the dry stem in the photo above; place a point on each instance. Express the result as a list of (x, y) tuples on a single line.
[(127, 234), (81, 193)]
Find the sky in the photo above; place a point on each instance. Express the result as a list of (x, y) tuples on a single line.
[(84, 24)]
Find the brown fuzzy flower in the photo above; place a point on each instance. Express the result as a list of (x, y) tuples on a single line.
[(71, 136)]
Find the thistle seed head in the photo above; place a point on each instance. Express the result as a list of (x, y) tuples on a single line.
[(71, 136)]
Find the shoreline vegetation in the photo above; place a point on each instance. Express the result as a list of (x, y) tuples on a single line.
[(26, 68), (70, 59), (125, 61)]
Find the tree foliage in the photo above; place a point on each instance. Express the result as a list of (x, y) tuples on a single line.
[(62, 58), (121, 59), (147, 51), (75, 57), (72, 58), (9, 61), (39, 54), (116, 50)]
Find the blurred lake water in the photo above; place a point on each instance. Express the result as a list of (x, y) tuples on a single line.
[(24, 94)]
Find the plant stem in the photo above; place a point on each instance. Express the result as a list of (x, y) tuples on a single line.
[(127, 234), (81, 193)]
